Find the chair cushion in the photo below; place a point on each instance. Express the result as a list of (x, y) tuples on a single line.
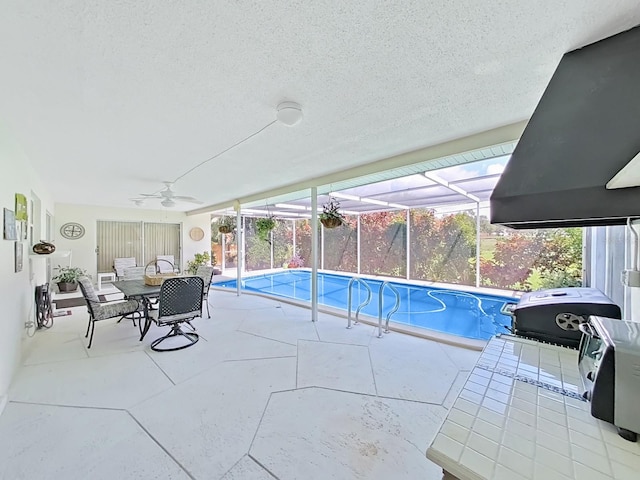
[(115, 309), (90, 293)]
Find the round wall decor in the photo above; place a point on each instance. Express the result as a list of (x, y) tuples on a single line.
[(196, 234), (72, 231)]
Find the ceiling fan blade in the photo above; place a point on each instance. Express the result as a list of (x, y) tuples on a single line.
[(186, 199), (150, 195)]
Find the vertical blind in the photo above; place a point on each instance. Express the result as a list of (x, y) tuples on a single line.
[(162, 239), (140, 240)]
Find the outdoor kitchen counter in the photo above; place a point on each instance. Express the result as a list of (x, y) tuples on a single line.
[(520, 416)]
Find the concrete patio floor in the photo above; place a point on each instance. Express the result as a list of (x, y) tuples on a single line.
[(264, 394)]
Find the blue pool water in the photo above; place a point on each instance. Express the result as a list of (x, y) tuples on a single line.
[(469, 315)]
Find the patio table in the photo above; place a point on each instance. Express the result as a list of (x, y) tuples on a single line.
[(138, 290)]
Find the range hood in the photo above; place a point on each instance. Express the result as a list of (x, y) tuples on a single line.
[(584, 131)]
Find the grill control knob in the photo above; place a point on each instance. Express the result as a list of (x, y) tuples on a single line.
[(590, 376)]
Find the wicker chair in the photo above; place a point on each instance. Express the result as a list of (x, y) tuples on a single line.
[(103, 311), (206, 273), (180, 302)]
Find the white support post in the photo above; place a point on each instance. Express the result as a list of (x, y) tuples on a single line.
[(321, 246), (358, 242), (408, 246), (239, 249), (477, 244), (314, 254)]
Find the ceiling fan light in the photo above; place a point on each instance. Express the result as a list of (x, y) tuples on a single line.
[(167, 202)]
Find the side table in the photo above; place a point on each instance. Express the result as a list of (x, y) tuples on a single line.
[(105, 276)]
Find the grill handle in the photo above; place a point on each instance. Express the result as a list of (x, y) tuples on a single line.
[(587, 329)]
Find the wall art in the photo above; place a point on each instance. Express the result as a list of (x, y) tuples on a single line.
[(18, 255), (21, 208), (9, 225)]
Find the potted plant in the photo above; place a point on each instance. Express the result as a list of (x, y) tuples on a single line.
[(67, 278), (296, 261), (264, 227), (331, 216), (199, 259), (226, 224)]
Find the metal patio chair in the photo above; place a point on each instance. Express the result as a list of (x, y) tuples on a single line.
[(206, 273), (104, 310), (180, 302)]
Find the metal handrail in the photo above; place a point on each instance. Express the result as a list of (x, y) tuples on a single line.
[(380, 307), (362, 305)]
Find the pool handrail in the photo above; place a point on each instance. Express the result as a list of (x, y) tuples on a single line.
[(362, 305), (380, 307)]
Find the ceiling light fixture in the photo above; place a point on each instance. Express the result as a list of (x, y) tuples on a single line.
[(167, 202), (289, 113)]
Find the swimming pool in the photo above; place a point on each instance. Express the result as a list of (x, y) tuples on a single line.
[(469, 315)]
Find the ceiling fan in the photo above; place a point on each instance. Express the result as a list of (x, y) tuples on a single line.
[(167, 196)]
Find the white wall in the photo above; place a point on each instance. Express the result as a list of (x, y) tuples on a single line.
[(16, 289), (83, 253)]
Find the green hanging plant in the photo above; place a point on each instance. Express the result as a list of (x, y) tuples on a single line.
[(264, 227)]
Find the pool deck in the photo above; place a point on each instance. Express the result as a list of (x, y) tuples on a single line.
[(264, 394)]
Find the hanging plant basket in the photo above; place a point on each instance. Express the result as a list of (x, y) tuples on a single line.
[(331, 216), (226, 224), (264, 227), (331, 222)]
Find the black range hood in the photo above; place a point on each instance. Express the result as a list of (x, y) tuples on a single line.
[(585, 129)]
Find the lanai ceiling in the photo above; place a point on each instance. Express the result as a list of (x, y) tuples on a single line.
[(109, 99)]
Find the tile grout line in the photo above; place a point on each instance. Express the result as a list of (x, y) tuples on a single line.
[(160, 368), (161, 446), (262, 466), (373, 374)]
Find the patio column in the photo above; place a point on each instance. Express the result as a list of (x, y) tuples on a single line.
[(239, 247), (358, 243), (314, 254), (408, 235), (477, 244)]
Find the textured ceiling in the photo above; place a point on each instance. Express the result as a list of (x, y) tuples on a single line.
[(116, 97)]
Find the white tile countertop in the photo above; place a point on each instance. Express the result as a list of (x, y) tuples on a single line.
[(520, 416)]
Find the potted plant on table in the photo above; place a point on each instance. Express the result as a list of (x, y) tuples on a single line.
[(67, 278), (331, 216), (199, 259)]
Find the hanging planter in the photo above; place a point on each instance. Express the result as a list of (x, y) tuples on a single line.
[(226, 224), (264, 227), (331, 216)]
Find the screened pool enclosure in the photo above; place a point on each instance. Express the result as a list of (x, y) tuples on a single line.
[(428, 226)]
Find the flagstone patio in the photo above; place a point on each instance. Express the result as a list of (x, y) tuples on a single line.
[(264, 394)]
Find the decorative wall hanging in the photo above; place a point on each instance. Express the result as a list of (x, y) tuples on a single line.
[(196, 234), (44, 248), (18, 257), (9, 225), (21, 208), (72, 231)]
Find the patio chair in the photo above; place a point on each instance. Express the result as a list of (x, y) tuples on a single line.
[(119, 264), (206, 273), (105, 310), (180, 302), (166, 264), (133, 273)]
